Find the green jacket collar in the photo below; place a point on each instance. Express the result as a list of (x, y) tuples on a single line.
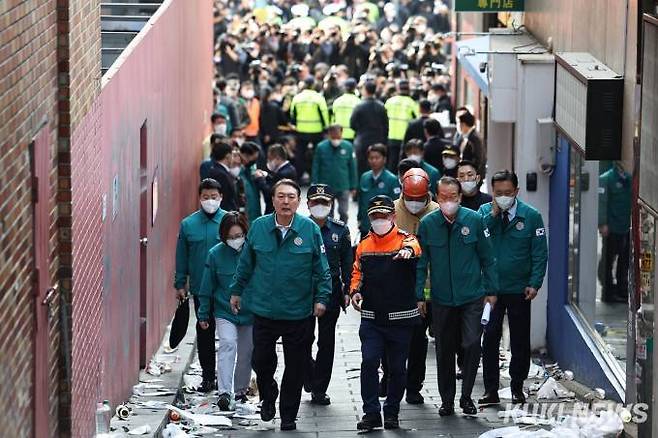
[(217, 218), (294, 226)]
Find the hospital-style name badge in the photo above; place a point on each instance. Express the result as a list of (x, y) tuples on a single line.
[(466, 231), (381, 185), (298, 241), (520, 226), (334, 237)]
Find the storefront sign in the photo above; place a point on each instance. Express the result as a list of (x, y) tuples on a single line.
[(489, 5)]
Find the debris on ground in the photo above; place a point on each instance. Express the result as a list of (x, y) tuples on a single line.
[(552, 390), (203, 419), (141, 430), (607, 424)]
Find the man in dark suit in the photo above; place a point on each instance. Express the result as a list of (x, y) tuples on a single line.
[(471, 147), (435, 143), (370, 124), (415, 130), (226, 174), (278, 168)]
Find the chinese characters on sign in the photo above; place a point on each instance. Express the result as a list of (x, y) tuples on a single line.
[(489, 5)]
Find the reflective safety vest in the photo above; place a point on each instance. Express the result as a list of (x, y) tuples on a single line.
[(309, 112), (342, 112), (401, 110)]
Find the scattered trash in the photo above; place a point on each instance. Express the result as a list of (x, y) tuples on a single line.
[(174, 416), (203, 419), (568, 375), (506, 393), (245, 409), (263, 425), (141, 430), (173, 431), (123, 412), (607, 424), (552, 390), (192, 382), (152, 404)]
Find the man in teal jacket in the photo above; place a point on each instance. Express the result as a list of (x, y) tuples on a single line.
[(456, 248), (284, 274), (334, 164), (199, 232), (614, 226), (519, 240), (377, 181), (249, 153)]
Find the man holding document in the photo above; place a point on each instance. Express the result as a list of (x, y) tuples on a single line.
[(519, 240), (457, 250)]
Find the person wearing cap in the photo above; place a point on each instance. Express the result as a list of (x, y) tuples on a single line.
[(449, 161), (414, 203), (415, 149), (198, 233), (519, 242), (334, 164), (309, 114), (283, 276), (458, 253), (382, 289), (370, 124), (401, 109), (342, 108), (470, 180), (338, 244), (377, 181)]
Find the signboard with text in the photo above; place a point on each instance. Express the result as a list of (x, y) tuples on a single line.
[(489, 5)]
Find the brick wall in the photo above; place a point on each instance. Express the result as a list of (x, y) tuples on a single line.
[(28, 102), (79, 62)]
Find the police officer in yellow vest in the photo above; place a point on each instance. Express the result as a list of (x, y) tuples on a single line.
[(342, 108), (401, 109), (310, 115)]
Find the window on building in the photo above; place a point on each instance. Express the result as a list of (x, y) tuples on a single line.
[(599, 252)]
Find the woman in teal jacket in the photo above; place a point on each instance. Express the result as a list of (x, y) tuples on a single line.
[(233, 330)]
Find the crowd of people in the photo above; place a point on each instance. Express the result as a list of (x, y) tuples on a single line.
[(350, 99)]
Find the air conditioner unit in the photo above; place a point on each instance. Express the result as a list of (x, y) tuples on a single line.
[(589, 100)]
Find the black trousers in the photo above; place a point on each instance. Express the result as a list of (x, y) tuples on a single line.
[(615, 247), (320, 368), (304, 155), (518, 315), (296, 336), (205, 345), (448, 321)]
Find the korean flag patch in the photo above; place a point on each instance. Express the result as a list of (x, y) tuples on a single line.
[(396, 190), (322, 250), (487, 233), (540, 232)]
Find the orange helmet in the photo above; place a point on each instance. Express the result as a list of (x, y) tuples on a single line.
[(415, 183)]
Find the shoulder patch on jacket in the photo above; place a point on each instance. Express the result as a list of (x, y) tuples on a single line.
[(540, 231), (487, 233)]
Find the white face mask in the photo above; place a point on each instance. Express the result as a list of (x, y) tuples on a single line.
[(381, 226), (469, 186), (236, 244), (239, 141), (220, 129), (505, 202), (450, 163), (335, 143), (210, 206), (320, 211), (248, 94), (416, 158), (449, 208), (414, 206), (271, 165), (235, 171)]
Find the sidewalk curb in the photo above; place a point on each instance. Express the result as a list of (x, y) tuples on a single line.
[(157, 419)]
